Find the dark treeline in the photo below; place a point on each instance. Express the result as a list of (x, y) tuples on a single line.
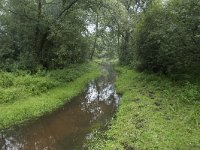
[(167, 38), (155, 35)]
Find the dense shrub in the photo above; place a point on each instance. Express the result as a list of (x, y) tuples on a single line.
[(167, 37), (33, 36), (68, 74), (6, 79), (16, 85), (8, 95)]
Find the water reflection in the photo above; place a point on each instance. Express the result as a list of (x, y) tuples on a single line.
[(98, 96), (69, 127)]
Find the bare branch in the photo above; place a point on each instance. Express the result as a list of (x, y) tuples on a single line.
[(67, 8)]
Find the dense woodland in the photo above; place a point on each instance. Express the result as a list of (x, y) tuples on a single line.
[(155, 35)]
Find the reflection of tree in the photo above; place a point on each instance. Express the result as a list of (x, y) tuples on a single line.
[(2, 141), (100, 97), (9, 143)]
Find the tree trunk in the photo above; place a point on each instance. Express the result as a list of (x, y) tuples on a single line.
[(124, 54), (96, 36), (118, 40), (37, 31)]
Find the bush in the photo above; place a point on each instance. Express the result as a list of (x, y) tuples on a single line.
[(35, 85), (8, 95), (6, 79), (68, 74), (19, 84), (167, 37)]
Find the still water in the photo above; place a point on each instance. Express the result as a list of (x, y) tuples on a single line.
[(71, 126)]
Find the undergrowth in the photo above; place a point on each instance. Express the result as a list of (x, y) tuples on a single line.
[(20, 84)]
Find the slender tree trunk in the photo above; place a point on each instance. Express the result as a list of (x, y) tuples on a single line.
[(96, 36), (124, 51), (37, 31), (126, 41), (118, 40)]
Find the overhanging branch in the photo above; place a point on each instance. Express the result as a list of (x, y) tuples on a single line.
[(67, 8)]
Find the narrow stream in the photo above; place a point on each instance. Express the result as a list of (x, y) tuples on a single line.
[(71, 126)]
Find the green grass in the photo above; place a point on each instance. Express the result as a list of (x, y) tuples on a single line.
[(27, 96), (154, 113)]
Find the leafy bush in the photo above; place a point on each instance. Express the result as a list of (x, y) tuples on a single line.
[(6, 79), (167, 37), (22, 84), (35, 85), (8, 95), (68, 74)]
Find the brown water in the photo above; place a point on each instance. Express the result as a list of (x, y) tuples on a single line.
[(71, 126)]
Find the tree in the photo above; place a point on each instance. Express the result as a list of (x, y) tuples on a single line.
[(30, 29), (167, 37)]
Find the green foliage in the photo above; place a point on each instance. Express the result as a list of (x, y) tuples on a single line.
[(17, 85), (42, 34), (69, 74), (167, 37), (155, 113), (8, 95), (6, 79)]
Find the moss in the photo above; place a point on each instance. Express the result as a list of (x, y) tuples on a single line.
[(154, 113), (31, 107)]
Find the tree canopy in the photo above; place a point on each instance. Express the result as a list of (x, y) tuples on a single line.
[(155, 35)]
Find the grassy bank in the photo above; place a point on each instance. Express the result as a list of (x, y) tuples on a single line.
[(24, 96), (155, 113)]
